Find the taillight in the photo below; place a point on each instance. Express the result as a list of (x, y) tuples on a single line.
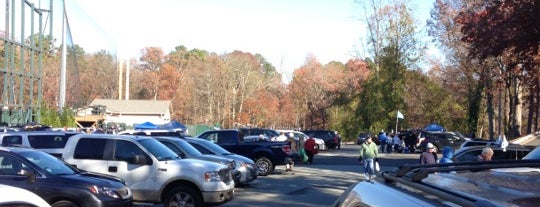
[(286, 148)]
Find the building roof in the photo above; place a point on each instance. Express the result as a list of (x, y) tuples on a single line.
[(134, 106)]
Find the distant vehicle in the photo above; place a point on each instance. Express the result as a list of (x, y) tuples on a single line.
[(321, 145), (362, 138), (59, 183), (18, 197), (246, 166), (265, 154), (252, 132), (512, 152), (331, 138), (51, 142), (439, 140)]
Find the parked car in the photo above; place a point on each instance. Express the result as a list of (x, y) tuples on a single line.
[(153, 172), (265, 154), (488, 183), (246, 166), (362, 138), (18, 197), (512, 152), (51, 142), (186, 150), (331, 138), (58, 183), (439, 140), (321, 145)]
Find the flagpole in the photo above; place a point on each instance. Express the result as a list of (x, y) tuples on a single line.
[(397, 121)]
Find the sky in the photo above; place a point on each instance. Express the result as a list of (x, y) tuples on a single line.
[(283, 31)]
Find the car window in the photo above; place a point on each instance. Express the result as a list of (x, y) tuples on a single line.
[(126, 151), (90, 148), (201, 149), (471, 155), (9, 165), (48, 163), (533, 155), (44, 141), (160, 151), (11, 140)]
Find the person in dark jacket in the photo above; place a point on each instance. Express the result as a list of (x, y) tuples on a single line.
[(429, 156)]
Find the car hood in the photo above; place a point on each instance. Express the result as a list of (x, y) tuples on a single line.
[(240, 158), (90, 178), (213, 158)]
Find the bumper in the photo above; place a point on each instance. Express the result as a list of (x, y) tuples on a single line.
[(246, 175), (218, 197)]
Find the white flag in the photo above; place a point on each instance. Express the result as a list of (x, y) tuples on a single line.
[(400, 115)]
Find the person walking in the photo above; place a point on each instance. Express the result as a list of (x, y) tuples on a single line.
[(289, 162), (382, 140), (368, 157), (429, 156), (311, 149)]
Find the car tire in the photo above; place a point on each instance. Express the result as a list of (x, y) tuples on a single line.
[(264, 166), (182, 196), (64, 203)]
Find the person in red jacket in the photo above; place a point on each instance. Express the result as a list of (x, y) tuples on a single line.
[(311, 149)]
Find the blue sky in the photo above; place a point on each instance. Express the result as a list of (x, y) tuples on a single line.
[(283, 31)]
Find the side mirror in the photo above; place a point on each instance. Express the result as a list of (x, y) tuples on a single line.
[(29, 174), (140, 160)]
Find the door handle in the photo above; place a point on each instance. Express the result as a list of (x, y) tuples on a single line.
[(113, 169)]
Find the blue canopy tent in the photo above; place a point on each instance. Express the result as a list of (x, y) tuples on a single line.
[(173, 125), (145, 125), (434, 127)]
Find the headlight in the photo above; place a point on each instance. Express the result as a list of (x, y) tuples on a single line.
[(104, 191), (212, 176)]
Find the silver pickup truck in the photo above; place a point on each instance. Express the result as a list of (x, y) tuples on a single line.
[(480, 184), (153, 172)]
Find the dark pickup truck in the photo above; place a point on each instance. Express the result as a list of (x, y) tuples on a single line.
[(266, 155)]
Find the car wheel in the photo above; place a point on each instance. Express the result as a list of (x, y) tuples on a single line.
[(182, 196), (264, 166), (64, 203)]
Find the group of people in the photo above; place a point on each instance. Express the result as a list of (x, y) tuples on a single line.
[(430, 155), (369, 156), (391, 143), (298, 149)]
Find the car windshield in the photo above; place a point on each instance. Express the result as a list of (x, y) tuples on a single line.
[(533, 155), (214, 147), (160, 151), (188, 148), (49, 163)]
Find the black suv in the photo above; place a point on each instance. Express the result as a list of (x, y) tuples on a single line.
[(439, 140), (59, 183), (331, 138)]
